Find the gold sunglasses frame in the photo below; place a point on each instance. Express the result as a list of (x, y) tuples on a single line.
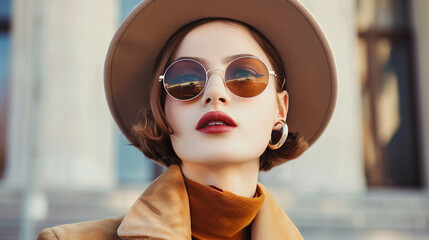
[(270, 72)]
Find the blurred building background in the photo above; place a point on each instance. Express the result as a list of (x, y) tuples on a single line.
[(62, 158)]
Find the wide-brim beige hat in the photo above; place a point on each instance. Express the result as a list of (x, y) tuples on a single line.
[(307, 57)]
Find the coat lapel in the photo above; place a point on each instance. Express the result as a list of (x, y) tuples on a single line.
[(271, 222), (162, 212)]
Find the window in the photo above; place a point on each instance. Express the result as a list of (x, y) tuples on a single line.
[(5, 9), (388, 94)]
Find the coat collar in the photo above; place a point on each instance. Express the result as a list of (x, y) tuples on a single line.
[(162, 212)]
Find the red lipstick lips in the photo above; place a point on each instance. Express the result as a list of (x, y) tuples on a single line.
[(215, 122)]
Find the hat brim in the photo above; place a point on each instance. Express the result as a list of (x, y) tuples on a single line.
[(288, 25)]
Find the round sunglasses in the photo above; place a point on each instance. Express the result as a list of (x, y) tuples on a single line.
[(185, 79)]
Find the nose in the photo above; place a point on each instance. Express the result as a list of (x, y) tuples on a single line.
[(215, 91)]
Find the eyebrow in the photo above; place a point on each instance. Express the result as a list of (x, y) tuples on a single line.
[(225, 60)]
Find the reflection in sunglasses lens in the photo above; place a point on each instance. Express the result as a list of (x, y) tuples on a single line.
[(245, 77), (185, 79)]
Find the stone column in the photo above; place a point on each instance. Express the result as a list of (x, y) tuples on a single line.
[(420, 23), (335, 162), (61, 132)]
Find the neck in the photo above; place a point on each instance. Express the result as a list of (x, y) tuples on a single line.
[(238, 178)]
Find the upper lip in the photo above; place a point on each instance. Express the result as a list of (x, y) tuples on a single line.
[(215, 116)]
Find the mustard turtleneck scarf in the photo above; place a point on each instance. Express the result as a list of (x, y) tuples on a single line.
[(219, 214)]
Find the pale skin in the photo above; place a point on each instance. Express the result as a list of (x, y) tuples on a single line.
[(229, 160)]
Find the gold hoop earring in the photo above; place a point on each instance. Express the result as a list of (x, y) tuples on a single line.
[(282, 140)]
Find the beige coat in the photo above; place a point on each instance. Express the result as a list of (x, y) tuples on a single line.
[(162, 212)]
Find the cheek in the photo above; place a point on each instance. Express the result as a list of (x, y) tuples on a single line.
[(169, 112), (258, 119), (263, 109), (175, 113), (181, 118)]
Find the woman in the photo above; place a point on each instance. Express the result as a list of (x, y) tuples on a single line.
[(206, 91)]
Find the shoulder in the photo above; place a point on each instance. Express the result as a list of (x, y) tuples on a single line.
[(94, 230)]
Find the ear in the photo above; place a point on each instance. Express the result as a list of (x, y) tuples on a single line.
[(283, 106)]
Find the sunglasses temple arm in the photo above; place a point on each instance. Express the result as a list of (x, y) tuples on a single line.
[(274, 74), (283, 84), (161, 78)]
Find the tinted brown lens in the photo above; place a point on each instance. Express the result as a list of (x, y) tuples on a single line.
[(246, 77), (184, 79)]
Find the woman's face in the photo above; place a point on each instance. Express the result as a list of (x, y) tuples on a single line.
[(254, 117)]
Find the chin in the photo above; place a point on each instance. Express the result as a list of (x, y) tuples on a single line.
[(216, 156), (217, 162), (218, 150)]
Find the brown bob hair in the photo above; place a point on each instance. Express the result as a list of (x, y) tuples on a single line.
[(151, 135)]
